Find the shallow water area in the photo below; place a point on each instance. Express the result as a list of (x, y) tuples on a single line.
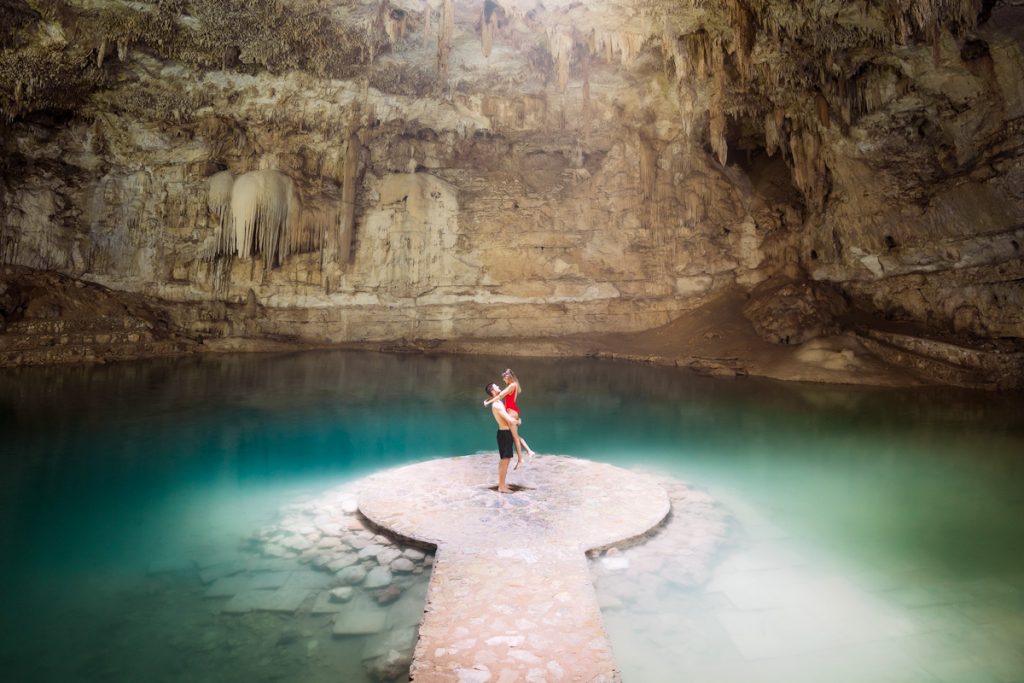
[(866, 525)]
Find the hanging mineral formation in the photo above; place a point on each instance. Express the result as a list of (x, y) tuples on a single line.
[(561, 46), (488, 24), (219, 201), (262, 203), (716, 120), (348, 198), (444, 40)]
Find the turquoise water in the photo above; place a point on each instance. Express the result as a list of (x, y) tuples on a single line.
[(912, 500)]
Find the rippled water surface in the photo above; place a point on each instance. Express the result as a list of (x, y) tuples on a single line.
[(877, 534)]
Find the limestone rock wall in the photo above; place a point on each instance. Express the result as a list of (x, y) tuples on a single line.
[(480, 169)]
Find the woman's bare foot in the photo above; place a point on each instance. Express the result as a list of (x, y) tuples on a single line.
[(519, 461)]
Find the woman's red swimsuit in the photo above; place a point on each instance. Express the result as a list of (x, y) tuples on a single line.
[(510, 401)]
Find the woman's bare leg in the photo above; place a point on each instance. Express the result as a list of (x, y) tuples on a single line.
[(515, 439), (520, 441)]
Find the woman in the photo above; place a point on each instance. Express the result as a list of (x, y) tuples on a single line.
[(509, 395)]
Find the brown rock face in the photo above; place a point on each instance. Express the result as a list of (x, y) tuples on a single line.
[(794, 312), (387, 170)]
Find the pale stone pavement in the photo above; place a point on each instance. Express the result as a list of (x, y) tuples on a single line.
[(511, 595)]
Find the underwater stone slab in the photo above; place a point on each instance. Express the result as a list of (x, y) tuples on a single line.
[(400, 639), (324, 604), (220, 558), (359, 622), (269, 580), (511, 585), (282, 600), (308, 579), (270, 565), (228, 586), (217, 571)]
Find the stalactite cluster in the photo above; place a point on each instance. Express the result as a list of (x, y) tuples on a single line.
[(444, 39)]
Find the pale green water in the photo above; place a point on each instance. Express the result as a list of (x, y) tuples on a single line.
[(913, 499)]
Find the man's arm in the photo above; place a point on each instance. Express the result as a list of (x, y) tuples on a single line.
[(505, 415), (500, 395)]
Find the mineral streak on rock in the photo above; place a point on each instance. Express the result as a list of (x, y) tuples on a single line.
[(365, 170), (511, 588)]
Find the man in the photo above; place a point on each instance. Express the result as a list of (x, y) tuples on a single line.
[(506, 445)]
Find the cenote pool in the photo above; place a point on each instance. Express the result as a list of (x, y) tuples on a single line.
[(875, 535)]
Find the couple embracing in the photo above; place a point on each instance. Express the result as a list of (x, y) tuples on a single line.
[(506, 414)]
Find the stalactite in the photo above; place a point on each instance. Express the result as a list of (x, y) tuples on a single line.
[(101, 53), (219, 202), (742, 21), (648, 168), (615, 46), (444, 39), (771, 134), (821, 107), (384, 23), (349, 179), (585, 107), (313, 225), (427, 17), (262, 205), (561, 45), (809, 170), (488, 25), (716, 111)]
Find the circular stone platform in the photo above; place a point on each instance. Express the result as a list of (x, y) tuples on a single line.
[(510, 596)]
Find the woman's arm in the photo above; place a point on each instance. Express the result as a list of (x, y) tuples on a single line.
[(501, 395)]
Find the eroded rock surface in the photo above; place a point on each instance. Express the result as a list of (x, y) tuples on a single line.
[(396, 171)]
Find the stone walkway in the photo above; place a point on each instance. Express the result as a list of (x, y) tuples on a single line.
[(510, 597)]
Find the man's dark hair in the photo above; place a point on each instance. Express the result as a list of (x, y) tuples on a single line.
[(488, 388)]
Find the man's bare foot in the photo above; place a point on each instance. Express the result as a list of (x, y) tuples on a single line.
[(505, 490)]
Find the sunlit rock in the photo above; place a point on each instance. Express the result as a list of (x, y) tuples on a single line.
[(408, 175)]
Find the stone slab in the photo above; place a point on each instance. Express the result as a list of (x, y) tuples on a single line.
[(359, 621), (282, 600), (216, 571), (228, 586), (511, 593), (324, 605)]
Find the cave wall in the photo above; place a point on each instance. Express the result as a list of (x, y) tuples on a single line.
[(502, 168)]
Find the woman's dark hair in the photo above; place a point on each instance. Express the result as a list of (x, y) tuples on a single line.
[(488, 388)]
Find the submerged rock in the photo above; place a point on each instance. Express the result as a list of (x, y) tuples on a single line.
[(351, 576), (378, 577), (402, 565)]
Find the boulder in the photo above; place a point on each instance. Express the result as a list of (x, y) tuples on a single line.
[(792, 312), (351, 576), (402, 565), (378, 577)]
